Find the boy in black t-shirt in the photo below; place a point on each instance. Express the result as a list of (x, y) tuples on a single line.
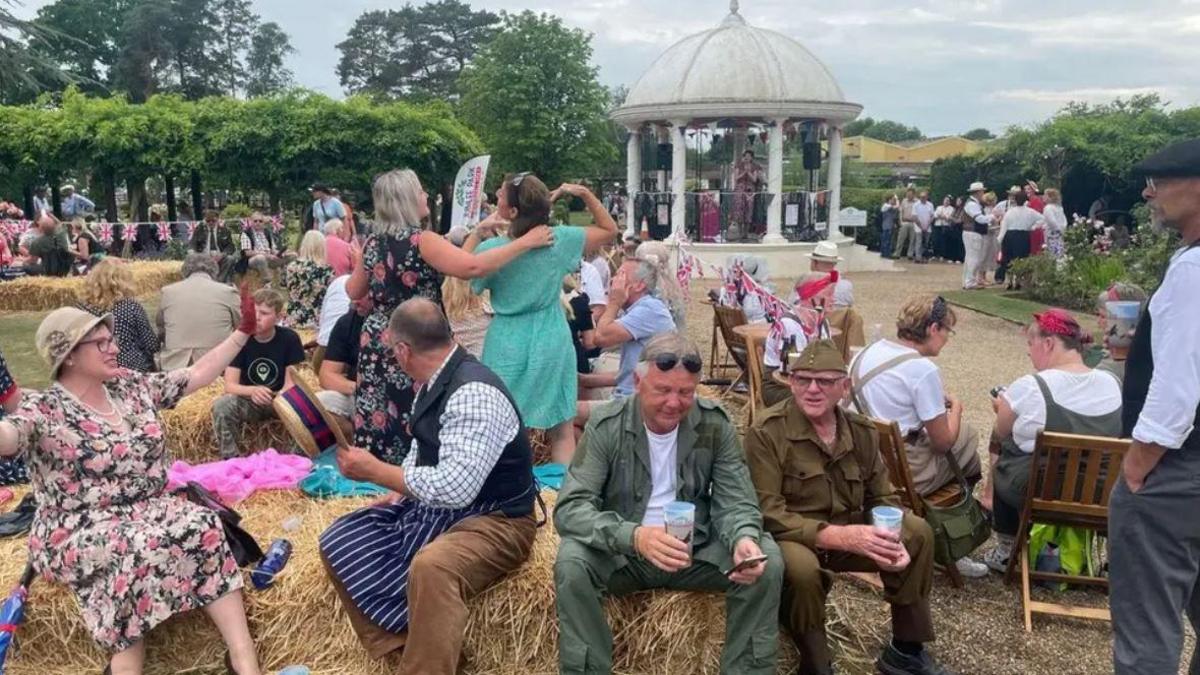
[(257, 373)]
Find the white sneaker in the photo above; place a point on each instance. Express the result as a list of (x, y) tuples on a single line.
[(997, 558), (971, 569)]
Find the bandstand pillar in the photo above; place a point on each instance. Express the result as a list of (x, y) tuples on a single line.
[(678, 178), (633, 179), (775, 183), (835, 182)]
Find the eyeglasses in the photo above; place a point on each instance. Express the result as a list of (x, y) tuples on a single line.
[(102, 344), (823, 382), (667, 362)]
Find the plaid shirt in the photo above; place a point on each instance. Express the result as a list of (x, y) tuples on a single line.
[(477, 424)]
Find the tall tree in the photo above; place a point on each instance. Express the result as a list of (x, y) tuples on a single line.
[(416, 53), (198, 58), (264, 64), (88, 41), (24, 69), (147, 52), (550, 115), (236, 23)]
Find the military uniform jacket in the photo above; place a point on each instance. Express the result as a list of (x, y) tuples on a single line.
[(802, 485), (607, 488)]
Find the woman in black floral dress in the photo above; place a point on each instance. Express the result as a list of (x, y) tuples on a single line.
[(105, 526), (401, 261), (108, 289)]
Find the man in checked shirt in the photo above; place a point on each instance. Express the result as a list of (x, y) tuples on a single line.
[(464, 513)]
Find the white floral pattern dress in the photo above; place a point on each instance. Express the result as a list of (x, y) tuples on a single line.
[(105, 525)]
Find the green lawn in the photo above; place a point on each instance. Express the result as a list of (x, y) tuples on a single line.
[(16, 339), (1008, 306)]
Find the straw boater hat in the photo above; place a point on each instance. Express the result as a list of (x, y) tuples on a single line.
[(826, 251), (977, 186), (818, 356), (310, 425), (62, 330)]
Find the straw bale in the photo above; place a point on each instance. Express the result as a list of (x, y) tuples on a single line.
[(513, 628), (42, 293), (189, 429)]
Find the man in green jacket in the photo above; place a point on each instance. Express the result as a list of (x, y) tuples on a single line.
[(637, 455)]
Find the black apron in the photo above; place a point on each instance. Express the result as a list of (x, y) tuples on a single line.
[(1139, 370)]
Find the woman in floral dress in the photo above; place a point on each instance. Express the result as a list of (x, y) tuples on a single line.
[(105, 526), (401, 261), (306, 278)]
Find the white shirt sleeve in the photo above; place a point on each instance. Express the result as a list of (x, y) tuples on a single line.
[(929, 396), (1029, 406), (1170, 411), (592, 284), (975, 210)]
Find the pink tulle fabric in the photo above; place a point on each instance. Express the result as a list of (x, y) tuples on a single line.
[(232, 480)]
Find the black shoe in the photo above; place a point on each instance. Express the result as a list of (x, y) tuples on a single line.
[(895, 662), (19, 520)]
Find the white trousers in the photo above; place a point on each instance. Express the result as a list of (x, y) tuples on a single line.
[(976, 247)]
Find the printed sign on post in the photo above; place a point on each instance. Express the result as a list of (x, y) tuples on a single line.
[(468, 192)]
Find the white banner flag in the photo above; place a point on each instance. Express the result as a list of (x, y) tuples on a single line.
[(468, 192)]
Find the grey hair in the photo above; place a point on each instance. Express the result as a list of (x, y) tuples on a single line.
[(670, 342), (397, 197), (199, 262), (647, 273), (332, 226)]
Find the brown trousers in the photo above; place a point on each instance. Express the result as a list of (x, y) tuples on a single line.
[(445, 573), (808, 576)]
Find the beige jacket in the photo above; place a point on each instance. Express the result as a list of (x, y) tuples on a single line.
[(195, 315)]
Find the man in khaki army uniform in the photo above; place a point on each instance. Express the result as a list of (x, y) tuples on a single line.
[(818, 473)]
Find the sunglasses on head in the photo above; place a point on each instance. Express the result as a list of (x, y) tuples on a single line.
[(667, 362), (515, 181)]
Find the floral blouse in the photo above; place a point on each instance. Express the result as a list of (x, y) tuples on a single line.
[(306, 283)]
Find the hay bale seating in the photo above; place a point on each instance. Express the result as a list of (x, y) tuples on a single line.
[(299, 621), (29, 294)]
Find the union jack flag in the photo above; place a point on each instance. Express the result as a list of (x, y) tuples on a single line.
[(164, 232), (191, 229), (105, 232)]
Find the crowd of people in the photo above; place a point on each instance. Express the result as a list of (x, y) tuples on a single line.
[(984, 235), (439, 357)]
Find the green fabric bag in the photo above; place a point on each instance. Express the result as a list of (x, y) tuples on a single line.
[(958, 529)]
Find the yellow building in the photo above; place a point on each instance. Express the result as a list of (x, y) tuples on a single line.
[(874, 151)]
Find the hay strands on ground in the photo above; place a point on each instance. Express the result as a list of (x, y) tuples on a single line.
[(42, 293)]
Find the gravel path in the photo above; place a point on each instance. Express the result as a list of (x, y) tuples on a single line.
[(979, 627)]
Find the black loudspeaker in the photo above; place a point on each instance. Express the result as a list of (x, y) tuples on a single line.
[(812, 156), (664, 156)]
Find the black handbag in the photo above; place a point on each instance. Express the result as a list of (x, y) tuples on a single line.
[(246, 550)]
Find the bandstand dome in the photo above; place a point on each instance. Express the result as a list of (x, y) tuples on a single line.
[(736, 70)]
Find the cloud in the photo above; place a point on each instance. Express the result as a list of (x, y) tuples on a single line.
[(1082, 95)]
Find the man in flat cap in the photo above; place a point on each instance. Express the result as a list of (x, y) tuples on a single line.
[(818, 474), (1155, 534)]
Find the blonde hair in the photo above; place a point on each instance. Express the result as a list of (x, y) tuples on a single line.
[(989, 199), (109, 281), (312, 247), (921, 312), (1053, 196), (458, 300), (269, 297), (397, 195)]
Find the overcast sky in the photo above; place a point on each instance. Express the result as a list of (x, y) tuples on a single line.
[(944, 65)]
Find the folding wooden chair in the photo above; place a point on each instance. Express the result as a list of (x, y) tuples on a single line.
[(754, 376), (727, 319), (891, 448), (1070, 482), (719, 359)]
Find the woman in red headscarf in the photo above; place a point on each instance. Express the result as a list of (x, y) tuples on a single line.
[(1064, 395)]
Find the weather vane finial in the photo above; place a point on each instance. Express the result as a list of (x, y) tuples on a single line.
[(733, 6)]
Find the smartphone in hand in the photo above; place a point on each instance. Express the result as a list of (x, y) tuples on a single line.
[(745, 564)]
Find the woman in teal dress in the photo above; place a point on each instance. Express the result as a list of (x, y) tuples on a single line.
[(528, 343)]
